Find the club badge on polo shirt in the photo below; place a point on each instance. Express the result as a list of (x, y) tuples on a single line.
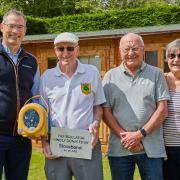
[(86, 88)]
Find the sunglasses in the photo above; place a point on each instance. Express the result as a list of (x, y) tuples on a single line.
[(172, 56), (62, 48)]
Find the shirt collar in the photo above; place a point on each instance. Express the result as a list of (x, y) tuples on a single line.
[(122, 67), (7, 50), (80, 69)]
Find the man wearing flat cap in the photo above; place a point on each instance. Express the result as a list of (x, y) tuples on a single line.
[(74, 94)]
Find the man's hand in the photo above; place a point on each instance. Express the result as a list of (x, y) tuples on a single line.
[(132, 140), (47, 150), (138, 148), (94, 130)]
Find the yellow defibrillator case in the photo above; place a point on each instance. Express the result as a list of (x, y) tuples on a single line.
[(33, 119)]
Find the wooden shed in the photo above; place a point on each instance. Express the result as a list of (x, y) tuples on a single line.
[(101, 48)]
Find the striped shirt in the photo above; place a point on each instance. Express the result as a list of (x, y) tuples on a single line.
[(171, 125)]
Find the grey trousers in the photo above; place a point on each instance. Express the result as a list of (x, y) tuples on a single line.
[(65, 168)]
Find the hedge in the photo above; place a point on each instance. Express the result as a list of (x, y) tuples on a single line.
[(139, 17)]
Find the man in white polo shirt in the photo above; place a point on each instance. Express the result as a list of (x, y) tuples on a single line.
[(74, 94)]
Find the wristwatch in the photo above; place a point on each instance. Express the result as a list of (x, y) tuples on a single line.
[(143, 132)]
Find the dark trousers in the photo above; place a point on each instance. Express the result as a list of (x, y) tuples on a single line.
[(122, 168), (15, 155), (172, 164)]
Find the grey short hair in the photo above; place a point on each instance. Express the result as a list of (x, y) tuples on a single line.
[(15, 12), (172, 46), (135, 35)]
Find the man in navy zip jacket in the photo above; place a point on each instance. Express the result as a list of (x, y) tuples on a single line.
[(19, 80)]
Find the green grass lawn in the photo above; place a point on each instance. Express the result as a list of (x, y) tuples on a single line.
[(36, 171)]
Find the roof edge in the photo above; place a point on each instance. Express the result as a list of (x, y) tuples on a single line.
[(108, 34)]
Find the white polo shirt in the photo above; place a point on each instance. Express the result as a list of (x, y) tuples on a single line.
[(71, 100)]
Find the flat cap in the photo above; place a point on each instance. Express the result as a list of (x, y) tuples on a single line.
[(66, 37)]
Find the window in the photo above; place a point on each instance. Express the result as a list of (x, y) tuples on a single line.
[(166, 67), (52, 62), (151, 58), (94, 60)]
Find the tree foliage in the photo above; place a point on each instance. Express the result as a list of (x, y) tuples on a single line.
[(148, 16), (53, 8)]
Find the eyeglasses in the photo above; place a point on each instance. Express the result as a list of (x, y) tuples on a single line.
[(14, 26), (172, 56), (133, 49), (62, 48)]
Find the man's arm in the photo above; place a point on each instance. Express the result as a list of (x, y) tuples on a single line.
[(36, 83), (97, 114), (94, 127), (157, 118), (111, 122)]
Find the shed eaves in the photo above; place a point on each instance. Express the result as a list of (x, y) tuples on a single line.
[(112, 33)]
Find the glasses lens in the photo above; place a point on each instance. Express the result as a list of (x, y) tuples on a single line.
[(69, 48), (60, 49), (172, 56)]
